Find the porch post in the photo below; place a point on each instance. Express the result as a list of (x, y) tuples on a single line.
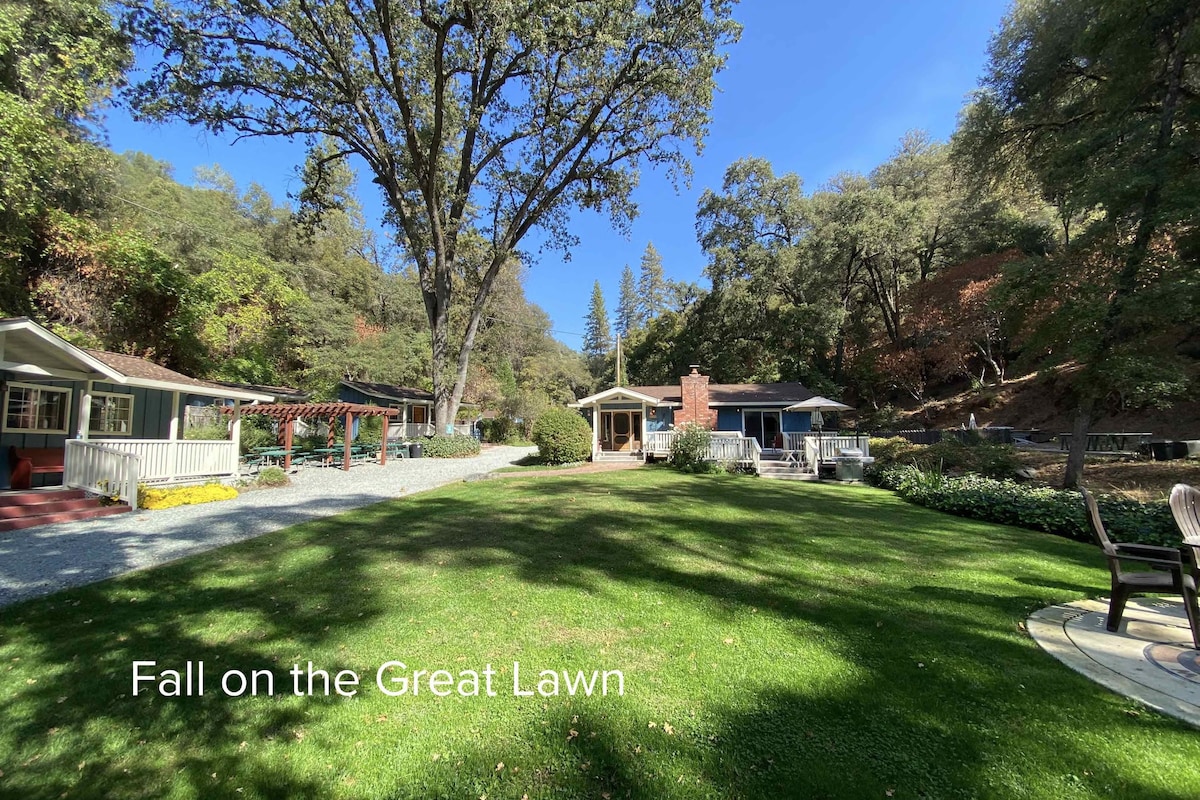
[(383, 443), (173, 430), (346, 440), (173, 434), (289, 427), (85, 411), (595, 429), (235, 434), (404, 420)]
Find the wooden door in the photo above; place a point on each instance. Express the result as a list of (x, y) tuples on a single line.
[(622, 430)]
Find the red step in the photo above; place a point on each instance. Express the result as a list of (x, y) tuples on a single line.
[(36, 497), (30, 520), (49, 507)]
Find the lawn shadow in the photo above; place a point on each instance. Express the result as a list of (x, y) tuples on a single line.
[(306, 589)]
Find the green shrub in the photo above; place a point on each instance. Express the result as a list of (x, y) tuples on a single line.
[(272, 476), (256, 432), (562, 436), (949, 456), (689, 450), (215, 431), (497, 430), (893, 451), (1052, 510), (370, 430), (456, 446)]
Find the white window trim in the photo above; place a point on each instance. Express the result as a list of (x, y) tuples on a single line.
[(94, 419), (41, 387)]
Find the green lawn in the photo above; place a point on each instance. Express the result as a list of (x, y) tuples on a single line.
[(777, 640)]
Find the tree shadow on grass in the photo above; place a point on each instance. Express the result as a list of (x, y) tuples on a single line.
[(728, 546)]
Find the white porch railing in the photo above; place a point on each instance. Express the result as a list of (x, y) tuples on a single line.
[(414, 430), (826, 447), (100, 469), (723, 446), (659, 442), (831, 443), (181, 459), (742, 449)]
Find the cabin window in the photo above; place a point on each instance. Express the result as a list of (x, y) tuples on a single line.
[(111, 413), (36, 409)]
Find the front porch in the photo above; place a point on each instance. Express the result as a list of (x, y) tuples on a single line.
[(115, 420)]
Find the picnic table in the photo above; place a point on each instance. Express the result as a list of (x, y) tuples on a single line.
[(1108, 442)]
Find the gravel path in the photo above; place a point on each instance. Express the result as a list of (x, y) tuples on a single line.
[(41, 560)]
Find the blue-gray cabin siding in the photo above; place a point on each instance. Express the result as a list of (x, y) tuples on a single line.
[(730, 419), (348, 395), (151, 419)]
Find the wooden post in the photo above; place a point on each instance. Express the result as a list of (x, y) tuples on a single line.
[(173, 433), (289, 426), (235, 434), (85, 411), (346, 440), (383, 443)]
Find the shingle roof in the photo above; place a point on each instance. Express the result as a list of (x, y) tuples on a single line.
[(784, 393), (135, 367), (389, 392)]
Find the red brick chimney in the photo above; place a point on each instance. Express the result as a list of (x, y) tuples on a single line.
[(694, 390)]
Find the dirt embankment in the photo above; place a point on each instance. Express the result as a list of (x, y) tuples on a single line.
[(1041, 402)]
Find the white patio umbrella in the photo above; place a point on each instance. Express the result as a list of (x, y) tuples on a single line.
[(817, 406)]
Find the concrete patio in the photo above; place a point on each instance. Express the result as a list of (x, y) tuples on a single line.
[(1150, 659)]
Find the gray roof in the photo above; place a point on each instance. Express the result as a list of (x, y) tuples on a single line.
[(384, 391), (782, 393)]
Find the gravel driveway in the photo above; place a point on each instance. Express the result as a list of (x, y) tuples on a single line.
[(41, 560)]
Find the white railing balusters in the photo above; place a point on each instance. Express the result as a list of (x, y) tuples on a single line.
[(181, 459), (102, 470)]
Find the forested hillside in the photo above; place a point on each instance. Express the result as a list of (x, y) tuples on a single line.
[(1055, 232), (214, 279)]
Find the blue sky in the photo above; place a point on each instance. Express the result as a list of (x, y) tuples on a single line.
[(815, 88)]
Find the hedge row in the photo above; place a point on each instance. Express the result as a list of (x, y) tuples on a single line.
[(1052, 510), (184, 495), (456, 446)]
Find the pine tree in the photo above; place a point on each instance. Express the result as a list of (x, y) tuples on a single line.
[(597, 340), (652, 286), (628, 314)]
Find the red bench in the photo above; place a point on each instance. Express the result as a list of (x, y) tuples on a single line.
[(25, 462)]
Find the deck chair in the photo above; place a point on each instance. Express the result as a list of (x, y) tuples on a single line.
[(1172, 572), (1185, 508)]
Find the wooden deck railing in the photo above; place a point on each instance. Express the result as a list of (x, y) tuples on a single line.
[(723, 446), (181, 459), (102, 470)]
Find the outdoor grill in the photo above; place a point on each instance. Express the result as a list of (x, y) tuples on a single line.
[(849, 464)]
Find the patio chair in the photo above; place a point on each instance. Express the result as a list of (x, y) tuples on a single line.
[(1185, 508), (1172, 571)]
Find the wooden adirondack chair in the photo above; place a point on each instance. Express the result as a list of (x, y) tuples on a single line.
[(1185, 508), (1172, 572)]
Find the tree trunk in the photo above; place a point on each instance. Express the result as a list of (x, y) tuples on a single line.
[(1079, 433)]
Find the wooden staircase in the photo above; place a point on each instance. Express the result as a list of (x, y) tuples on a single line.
[(42, 506), (778, 469), (613, 457)]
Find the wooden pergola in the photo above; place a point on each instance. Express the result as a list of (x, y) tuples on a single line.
[(288, 413)]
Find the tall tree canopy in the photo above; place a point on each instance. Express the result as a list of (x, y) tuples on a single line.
[(653, 290), (597, 340), (58, 59), (486, 117), (628, 315), (1101, 103)]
